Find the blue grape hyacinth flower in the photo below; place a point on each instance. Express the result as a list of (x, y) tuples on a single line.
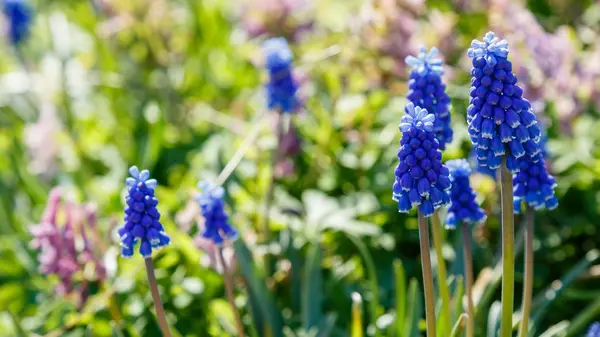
[(463, 207), (142, 219), (216, 221), (281, 88), (533, 185), (19, 15), (593, 330), (421, 179), (426, 90), (501, 122)]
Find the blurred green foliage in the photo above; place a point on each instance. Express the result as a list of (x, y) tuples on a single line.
[(175, 86)]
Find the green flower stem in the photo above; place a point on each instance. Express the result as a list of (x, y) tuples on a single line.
[(160, 311), (468, 262), (508, 243), (227, 277), (438, 243), (528, 283), (266, 229), (427, 275)]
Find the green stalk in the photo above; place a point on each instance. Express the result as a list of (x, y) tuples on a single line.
[(528, 282), (468, 262), (227, 277), (160, 311), (438, 243), (508, 243), (427, 275)]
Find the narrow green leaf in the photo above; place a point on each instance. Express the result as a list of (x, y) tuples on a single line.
[(557, 330), (257, 286), (459, 326), (357, 326), (372, 280), (327, 325), (312, 288), (400, 298), (459, 293), (542, 302), (584, 318), (494, 319), (414, 309)]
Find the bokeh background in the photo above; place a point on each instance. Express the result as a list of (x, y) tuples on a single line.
[(176, 86)]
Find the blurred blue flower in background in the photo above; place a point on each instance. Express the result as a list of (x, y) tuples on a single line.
[(593, 330), (421, 179), (141, 216), (19, 15), (281, 88), (463, 207), (500, 120), (426, 90), (216, 221), (533, 185)]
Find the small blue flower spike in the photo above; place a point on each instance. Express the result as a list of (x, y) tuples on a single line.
[(463, 207), (501, 122), (421, 179), (281, 88), (19, 16), (427, 90), (534, 186), (142, 219), (593, 330), (216, 221)]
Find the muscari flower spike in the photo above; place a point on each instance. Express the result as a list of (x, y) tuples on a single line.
[(142, 219), (593, 330), (281, 88), (463, 207), (427, 91), (501, 122), (216, 221), (421, 179), (19, 15), (533, 185)]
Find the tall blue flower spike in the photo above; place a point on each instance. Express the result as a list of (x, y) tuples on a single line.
[(19, 15), (463, 207), (216, 221), (593, 330), (501, 122), (426, 90), (421, 179), (533, 185), (478, 168), (142, 219), (281, 88)]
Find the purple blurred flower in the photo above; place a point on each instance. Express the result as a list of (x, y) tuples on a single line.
[(288, 18), (289, 147), (593, 330), (58, 253), (217, 228)]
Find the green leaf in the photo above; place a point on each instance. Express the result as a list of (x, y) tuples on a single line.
[(459, 293), (542, 302), (584, 318), (557, 330), (372, 279), (312, 288), (459, 326), (400, 298), (262, 296), (415, 308), (494, 319)]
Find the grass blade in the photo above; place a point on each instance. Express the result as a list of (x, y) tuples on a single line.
[(581, 321), (312, 289), (459, 293), (400, 298), (372, 280), (459, 326), (415, 309), (494, 319)]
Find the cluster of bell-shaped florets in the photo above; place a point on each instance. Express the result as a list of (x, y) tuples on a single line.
[(533, 185), (426, 90), (463, 207), (421, 179), (142, 219), (216, 221), (281, 88), (501, 122)]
